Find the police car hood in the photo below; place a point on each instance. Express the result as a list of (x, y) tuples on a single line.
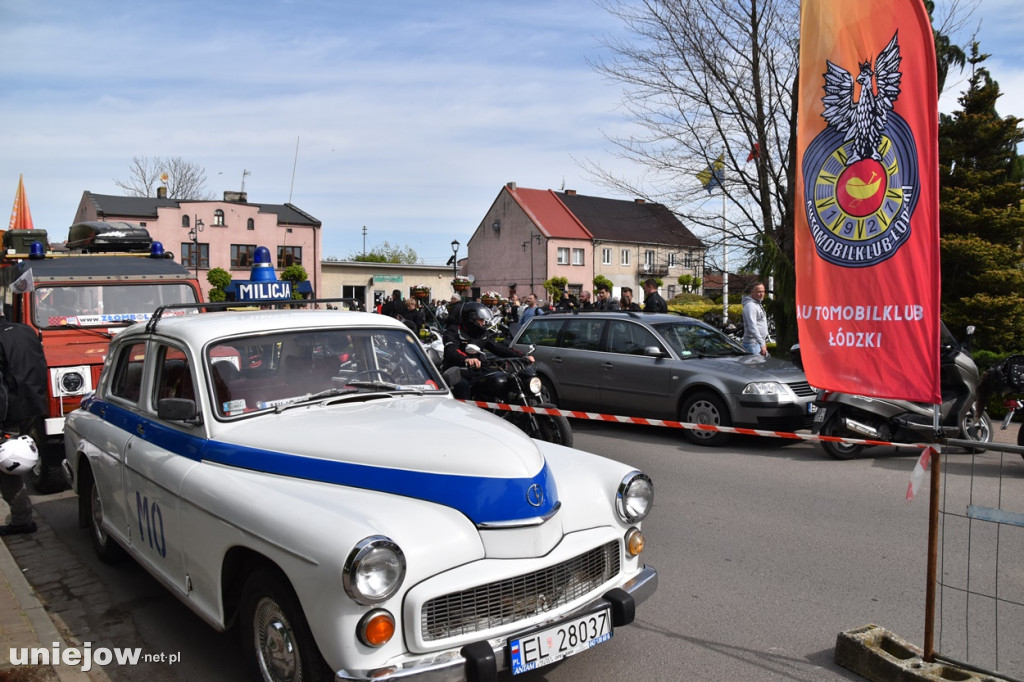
[(440, 451)]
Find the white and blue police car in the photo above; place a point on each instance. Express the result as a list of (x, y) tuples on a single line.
[(307, 475)]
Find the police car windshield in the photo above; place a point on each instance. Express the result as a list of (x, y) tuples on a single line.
[(103, 305), (268, 371)]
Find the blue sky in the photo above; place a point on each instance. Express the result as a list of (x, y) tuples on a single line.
[(409, 116)]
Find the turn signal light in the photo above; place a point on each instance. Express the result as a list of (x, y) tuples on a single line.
[(376, 628), (634, 542)]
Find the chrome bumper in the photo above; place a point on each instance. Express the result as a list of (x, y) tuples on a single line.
[(487, 657)]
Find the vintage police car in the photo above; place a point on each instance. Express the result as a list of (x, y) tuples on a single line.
[(307, 475)]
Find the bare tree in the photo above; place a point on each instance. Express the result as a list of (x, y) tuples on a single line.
[(183, 179), (710, 79)]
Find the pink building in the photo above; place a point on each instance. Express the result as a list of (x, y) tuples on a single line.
[(529, 236), (210, 234)]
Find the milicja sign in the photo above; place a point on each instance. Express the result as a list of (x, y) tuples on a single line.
[(263, 284)]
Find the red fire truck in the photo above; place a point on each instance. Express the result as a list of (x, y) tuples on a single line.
[(112, 276)]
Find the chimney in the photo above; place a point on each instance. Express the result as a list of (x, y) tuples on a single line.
[(161, 192), (570, 192), (640, 201), (511, 186), (236, 197)]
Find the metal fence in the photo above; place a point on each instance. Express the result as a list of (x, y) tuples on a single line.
[(980, 577)]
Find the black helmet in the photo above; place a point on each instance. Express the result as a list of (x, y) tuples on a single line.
[(471, 312)]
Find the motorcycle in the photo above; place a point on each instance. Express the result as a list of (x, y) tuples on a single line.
[(853, 416), (514, 381)]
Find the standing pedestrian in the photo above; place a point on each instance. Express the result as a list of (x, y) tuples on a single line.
[(530, 310), (755, 321), (586, 305), (23, 378), (627, 302), (605, 302), (653, 302)]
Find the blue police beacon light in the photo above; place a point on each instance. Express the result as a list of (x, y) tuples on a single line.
[(36, 251), (262, 268), (156, 250)]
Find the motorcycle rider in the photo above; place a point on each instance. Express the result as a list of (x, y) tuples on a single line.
[(470, 327)]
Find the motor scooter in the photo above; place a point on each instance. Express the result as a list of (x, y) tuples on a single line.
[(852, 416)]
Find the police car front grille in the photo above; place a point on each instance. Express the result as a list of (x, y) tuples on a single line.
[(515, 599), (802, 388)]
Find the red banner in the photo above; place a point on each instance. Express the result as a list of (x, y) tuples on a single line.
[(867, 206)]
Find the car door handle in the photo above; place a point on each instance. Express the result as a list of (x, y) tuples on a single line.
[(140, 429), (607, 365)]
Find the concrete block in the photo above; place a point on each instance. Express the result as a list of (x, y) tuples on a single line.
[(878, 655)]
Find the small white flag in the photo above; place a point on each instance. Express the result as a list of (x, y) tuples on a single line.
[(23, 283), (919, 468)]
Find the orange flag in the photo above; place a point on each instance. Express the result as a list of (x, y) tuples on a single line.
[(21, 217), (867, 206)]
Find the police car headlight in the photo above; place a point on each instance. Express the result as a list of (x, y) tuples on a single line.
[(635, 497), (374, 570), (535, 385), (782, 391)]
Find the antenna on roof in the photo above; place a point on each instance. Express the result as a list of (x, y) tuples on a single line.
[(244, 173)]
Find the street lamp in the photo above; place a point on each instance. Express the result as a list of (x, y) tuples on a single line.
[(533, 237), (193, 236), (455, 258)]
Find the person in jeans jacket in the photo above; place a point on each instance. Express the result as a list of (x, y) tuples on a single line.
[(755, 321)]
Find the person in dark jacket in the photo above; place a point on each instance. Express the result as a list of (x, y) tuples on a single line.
[(23, 378), (605, 302), (653, 303), (471, 327), (412, 314), (393, 307), (627, 302)]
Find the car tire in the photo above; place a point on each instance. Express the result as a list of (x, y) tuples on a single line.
[(275, 635), (838, 450), (705, 408), (105, 547)]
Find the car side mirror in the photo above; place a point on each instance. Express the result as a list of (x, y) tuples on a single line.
[(178, 409), (653, 351), (473, 349)]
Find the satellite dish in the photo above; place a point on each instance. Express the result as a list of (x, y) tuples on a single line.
[(471, 278)]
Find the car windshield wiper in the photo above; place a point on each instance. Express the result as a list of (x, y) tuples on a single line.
[(386, 386), (99, 332)]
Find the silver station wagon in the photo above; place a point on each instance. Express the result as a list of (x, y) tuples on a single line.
[(664, 367)]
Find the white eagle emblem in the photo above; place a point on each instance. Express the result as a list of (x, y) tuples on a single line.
[(863, 121)]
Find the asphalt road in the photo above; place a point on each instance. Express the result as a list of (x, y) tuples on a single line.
[(765, 553)]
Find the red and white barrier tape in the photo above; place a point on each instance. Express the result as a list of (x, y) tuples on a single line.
[(619, 419)]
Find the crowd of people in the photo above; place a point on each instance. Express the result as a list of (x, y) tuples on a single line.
[(417, 313)]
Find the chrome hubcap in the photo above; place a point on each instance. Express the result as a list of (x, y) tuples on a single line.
[(278, 656)]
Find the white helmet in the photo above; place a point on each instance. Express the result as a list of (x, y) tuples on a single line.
[(18, 455)]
